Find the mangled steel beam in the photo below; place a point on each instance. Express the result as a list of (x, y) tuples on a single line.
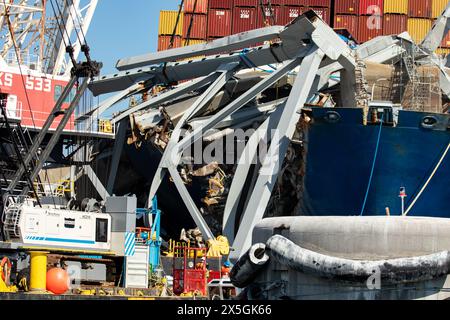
[(439, 31), (292, 39), (234, 42)]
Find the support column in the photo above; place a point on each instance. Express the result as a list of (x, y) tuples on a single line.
[(117, 153)]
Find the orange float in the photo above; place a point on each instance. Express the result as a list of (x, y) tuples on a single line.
[(57, 281)]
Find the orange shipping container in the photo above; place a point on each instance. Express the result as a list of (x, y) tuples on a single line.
[(394, 24), (164, 42), (419, 8), (195, 25), (369, 27), (196, 6), (346, 6), (347, 22)]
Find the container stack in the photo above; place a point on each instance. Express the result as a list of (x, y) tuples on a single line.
[(293, 8), (437, 7), (395, 16), (362, 18), (195, 22), (345, 16), (271, 15), (245, 15), (206, 20), (169, 21), (220, 20), (419, 21)]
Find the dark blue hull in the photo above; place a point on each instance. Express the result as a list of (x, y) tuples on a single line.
[(340, 156)]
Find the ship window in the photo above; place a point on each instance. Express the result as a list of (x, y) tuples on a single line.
[(58, 92), (101, 230)]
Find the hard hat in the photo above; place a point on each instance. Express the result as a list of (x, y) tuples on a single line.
[(227, 264)]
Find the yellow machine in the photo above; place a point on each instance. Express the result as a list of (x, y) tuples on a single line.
[(218, 247)]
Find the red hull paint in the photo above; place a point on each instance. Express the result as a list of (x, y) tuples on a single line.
[(43, 91)]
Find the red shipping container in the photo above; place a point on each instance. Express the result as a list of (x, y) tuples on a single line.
[(244, 19), (164, 42), (347, 22), (276, 20), (274, 2), (346, 6), (371, 7), (295, 2), (394, 24), (369, 27), (221, 4), (201, 6), (219, 23), (198, 29), (323, 13), (317, 3), (420, 8), (246, 3), (290, 13)]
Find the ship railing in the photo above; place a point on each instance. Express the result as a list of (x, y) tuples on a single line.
[(97, 126), (31, 61), (58, 189)]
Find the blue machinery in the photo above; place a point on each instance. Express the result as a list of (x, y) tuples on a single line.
[(152, 239)]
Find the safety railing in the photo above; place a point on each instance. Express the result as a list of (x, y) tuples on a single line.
[(31, 61), (58, 189), (97, 126)]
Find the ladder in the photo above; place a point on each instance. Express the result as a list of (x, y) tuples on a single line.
[(420, 91), (11, 221)]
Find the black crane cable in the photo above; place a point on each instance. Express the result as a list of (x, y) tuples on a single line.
[(60, 23), (172, 37), (69, 47), (74, 23), (79, 24)]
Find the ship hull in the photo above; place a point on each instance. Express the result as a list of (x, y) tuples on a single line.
[(340, 157)]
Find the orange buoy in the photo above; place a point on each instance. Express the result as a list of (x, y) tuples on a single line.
[(57, 281)]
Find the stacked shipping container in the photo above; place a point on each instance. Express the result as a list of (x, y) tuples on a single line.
[(362, 18), (204, 20), (195, 21), (167, 31)]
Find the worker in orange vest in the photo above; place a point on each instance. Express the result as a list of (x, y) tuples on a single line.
[(225, 271)]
